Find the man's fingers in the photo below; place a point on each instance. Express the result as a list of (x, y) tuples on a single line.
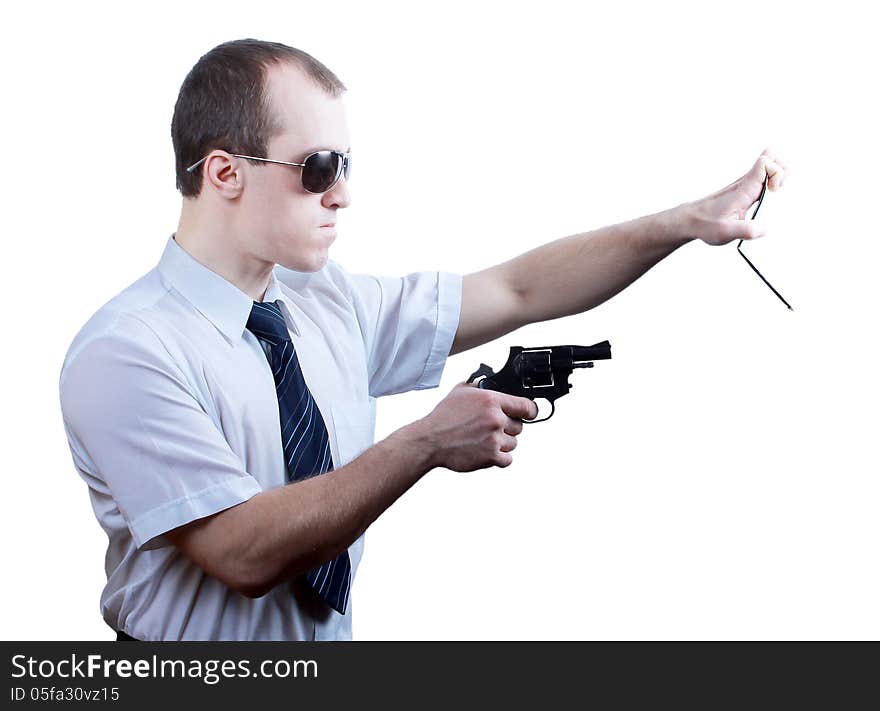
[(508, 445), (513, 427), (778, 159), (773, 167), (766, 166), (520, 407)]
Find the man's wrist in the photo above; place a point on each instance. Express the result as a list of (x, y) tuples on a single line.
[(675, 227), (418, 444)]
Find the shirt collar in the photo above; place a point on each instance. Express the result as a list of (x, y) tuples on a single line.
[(218, 300)]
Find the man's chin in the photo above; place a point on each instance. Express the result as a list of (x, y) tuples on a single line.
[(315, 263)]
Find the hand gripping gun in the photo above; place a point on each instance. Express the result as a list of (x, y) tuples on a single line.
[(539, 372)]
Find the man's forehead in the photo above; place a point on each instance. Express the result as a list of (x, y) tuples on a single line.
[(308, 117)]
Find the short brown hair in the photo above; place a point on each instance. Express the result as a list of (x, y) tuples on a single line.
[(223, 103)]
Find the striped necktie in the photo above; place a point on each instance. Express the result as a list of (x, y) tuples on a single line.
[(303, 435)]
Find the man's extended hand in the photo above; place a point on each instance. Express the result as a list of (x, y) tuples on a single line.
[(720, 218), (576, 273)]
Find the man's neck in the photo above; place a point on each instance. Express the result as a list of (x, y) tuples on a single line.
[(218, 252)]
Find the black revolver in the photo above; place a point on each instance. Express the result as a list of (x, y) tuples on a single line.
[(539, 372)]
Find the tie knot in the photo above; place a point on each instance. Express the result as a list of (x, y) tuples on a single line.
[(267, 322)]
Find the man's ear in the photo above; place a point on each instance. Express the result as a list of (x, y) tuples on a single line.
[(223, 174)]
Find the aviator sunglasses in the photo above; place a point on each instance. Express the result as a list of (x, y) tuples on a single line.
[(320, 170)]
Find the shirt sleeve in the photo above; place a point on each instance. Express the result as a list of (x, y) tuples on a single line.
[(134, 423), (408, 324)]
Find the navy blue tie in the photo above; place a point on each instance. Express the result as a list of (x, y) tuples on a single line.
[(303, 435)]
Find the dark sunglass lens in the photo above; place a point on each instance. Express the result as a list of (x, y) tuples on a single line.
[(320, 171)]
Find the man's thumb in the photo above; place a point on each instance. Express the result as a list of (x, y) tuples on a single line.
[(748, 229), (756, 229)]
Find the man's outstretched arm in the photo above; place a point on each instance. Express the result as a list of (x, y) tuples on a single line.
[(576, 273)]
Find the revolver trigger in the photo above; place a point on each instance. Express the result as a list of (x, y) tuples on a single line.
[(484, 371)]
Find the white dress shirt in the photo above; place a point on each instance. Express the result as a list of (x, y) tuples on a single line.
[(171, 415)]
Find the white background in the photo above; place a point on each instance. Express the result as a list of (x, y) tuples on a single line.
[(715, 480)]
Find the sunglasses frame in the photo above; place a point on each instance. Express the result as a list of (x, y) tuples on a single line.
[(748, 261), (344, 166)]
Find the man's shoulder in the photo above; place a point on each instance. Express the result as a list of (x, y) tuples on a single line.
[(123, 320)]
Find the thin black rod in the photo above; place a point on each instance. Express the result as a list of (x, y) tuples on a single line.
[(754, 215)]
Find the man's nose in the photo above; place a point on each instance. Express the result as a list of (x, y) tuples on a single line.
[(338, 195)]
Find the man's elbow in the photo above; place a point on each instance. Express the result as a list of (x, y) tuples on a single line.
[(223, 556), (248, 577)]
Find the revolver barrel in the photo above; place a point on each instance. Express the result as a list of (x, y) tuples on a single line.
[(598, 351)]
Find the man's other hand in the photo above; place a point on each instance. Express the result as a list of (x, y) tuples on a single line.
[(474, 429)]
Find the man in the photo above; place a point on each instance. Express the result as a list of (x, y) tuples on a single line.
[(246, 361)]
